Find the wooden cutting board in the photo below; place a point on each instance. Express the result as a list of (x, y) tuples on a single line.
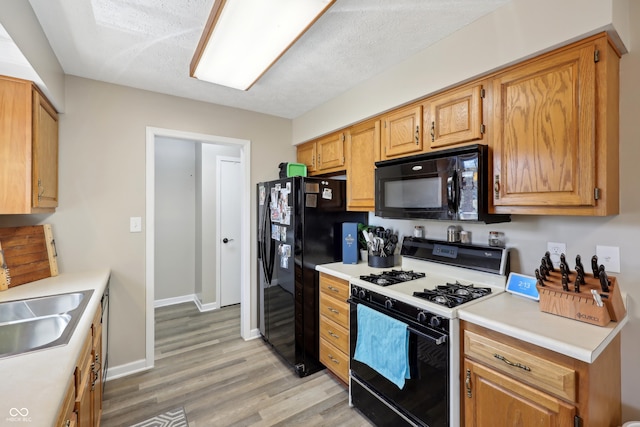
[(27, 254)]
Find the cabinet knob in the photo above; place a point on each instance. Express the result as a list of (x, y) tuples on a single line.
[(496, 187), (418, 135), (433, 131)]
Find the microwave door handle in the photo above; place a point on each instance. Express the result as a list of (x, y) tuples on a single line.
[(452, 192)]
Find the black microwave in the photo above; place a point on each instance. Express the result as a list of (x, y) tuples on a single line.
[(444, 185)]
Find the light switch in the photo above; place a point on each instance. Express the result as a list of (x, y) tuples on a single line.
[(135, 224)]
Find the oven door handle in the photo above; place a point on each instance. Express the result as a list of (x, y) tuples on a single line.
[(438, 341)]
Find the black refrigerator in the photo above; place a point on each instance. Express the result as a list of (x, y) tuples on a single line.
[(299, 226)]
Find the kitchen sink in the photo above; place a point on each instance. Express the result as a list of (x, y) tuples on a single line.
[(39, 323)]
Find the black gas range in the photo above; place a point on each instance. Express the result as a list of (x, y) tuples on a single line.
[(435, 280)]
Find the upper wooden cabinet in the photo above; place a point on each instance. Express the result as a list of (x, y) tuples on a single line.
[(306, 154), (401, 133), (555, 132), (323, 155), (28, 149), (363, 150), (454, 117)]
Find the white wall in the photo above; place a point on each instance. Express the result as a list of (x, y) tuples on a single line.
[(175, 218), (515, 31), (102, 184)]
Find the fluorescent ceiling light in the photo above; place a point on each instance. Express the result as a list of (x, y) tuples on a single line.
[(243, 38)]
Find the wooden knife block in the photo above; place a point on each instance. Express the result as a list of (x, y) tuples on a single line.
[(581, 305), (27, 254)]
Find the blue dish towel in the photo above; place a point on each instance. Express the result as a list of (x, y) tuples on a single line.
[(383, 344)]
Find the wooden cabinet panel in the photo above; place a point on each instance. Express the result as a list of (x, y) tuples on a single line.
[(335, 334), (306, 154), (550, 152), (330, 151), (544, 374), (67, 415), (334, 286), (363, 150), (334, 360), (495, 400), (29, 149), (334, 309), (454, 117), (401, 132)]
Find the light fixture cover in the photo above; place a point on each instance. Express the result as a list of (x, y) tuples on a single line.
[(243, 38)]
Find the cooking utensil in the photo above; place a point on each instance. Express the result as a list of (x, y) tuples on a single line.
[(565, 282), (597, 298), (547, 256), (579, 263), (604, 279), (594, 265)]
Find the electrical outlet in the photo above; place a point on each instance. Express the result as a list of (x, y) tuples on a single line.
[(609, 256), (555, 249)]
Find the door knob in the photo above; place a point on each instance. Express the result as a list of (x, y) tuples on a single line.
[(225, 240)]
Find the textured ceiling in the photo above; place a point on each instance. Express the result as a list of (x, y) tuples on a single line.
[(148, 44)]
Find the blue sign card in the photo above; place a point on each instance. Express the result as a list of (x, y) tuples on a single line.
[(522, 285)]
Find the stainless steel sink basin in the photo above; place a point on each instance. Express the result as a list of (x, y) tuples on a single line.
[(39, 323)]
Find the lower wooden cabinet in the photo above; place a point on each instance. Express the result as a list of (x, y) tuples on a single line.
[(508, 382), (334, 325), (82, 405)]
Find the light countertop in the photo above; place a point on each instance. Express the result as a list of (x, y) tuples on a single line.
[(518, 317), (521, 318), (35, 383)]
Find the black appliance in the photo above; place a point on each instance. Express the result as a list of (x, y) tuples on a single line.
[(444, 185), (456, 275), (299, 226)]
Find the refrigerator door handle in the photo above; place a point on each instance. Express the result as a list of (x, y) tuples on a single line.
[(267, 265)]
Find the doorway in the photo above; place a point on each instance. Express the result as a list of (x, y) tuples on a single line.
[(228, 259), (244, 220)]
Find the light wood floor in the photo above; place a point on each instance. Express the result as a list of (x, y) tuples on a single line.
[(222, 380)]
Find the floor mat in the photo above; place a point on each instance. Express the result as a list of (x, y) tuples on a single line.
[(173, 418)]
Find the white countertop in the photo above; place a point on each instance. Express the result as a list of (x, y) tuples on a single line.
[(518, 317), (521, 318), (36, 382)]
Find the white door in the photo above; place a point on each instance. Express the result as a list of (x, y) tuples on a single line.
[(229, 203)]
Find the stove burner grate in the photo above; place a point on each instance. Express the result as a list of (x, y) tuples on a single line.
[(452, 294), (392, 277)]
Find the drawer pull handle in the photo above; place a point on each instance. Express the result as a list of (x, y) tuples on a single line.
[(467, 383), (331, 288), (510, 363), (333, 335), (333, 310), (334, 360)]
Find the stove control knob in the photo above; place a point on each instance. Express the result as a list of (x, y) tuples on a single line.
[(362, 294), (422, 317), (354, 291), (388, 303), (435, 321)]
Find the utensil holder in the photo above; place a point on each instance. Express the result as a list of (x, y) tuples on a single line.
[(381, 261)]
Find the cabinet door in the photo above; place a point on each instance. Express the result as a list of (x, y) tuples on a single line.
[(454, 117), (363, 150), (493, 399), (544, 113), (401, 132), (330, 150), (45, 154), (306, 154)]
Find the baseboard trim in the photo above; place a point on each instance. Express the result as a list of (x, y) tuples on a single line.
[(127, 369), (205, 307), (255, 333), (174, 300)]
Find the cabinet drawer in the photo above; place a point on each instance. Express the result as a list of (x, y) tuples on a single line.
[(334, 309), (335, 334), (544, 374), (335, 360), (333, 286)]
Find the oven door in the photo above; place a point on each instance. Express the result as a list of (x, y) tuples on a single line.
[(422, 188), (424, 399)]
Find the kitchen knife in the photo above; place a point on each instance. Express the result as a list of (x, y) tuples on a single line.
[(564, 270), (544, 272), (604, 279), (563, 259), (565, 282), (594, 265), (579, 263), (580, 274), (547, 256), (576, 284), (539, 277)]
